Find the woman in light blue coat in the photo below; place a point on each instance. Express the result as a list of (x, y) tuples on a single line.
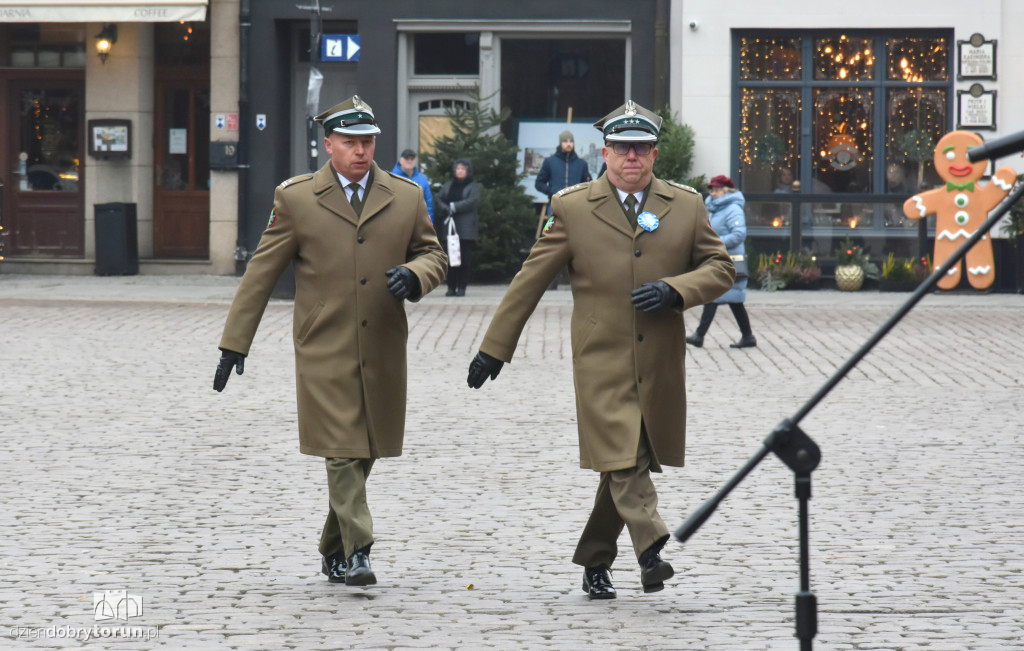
[(725, 209)]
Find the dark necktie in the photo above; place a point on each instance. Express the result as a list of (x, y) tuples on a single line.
[(631, 210), (357, 204)]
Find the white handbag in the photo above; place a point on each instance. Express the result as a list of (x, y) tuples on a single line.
[(454, 246)]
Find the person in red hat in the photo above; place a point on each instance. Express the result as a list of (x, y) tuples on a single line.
[(725, 210)]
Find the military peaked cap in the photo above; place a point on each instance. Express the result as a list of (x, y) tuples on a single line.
[(353, 117), (630, 123)]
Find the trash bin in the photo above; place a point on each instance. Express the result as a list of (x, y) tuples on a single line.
[(117, 240)]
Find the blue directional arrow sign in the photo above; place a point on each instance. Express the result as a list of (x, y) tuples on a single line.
[(340, 47)]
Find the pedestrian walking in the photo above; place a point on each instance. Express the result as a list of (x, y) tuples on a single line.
[(639, 250), (725, 209), (361, 243)]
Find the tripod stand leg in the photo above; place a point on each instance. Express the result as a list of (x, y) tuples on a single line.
[(806, 602)]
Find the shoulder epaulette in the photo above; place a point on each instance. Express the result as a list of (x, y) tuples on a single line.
[(297, 179), (403, 178), (682, 186), (571, 189)]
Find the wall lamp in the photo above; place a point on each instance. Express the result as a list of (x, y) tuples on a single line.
[(105, 40)]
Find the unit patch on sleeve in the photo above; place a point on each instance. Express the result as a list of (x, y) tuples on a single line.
[(273, 218), (549, 225)]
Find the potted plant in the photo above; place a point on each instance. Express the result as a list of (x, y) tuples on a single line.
[(903, 274), (790, 270), (853, 266)]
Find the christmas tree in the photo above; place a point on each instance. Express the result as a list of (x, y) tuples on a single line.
[(507, 219)]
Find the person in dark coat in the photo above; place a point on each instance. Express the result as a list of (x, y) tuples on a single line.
[(457, 201), (639, 251), (563, 169), (361, 244)]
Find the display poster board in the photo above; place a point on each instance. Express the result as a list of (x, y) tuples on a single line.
[(110, 138), (538, 140)]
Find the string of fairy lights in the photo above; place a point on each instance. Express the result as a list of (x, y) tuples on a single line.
[(843, 129)]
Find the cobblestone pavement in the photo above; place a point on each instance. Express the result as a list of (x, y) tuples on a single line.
[(123, 469)]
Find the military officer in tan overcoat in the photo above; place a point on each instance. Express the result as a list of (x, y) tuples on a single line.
[(361, 242), (639, 251)]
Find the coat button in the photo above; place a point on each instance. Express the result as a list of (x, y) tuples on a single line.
[(639, 337), (364, 323), (360, 239), (637, 253), (639, 380), (362, 281)]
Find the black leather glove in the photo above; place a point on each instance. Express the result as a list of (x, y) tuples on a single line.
[(402, 282), (228, 358), (654, 296), (483, 365)]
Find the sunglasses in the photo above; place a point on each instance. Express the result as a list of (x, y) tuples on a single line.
[(622, 148)]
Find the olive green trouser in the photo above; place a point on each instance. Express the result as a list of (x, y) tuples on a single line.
[(624, 498), (349, 526)]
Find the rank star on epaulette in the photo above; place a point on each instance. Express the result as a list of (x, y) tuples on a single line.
[(571, 188)]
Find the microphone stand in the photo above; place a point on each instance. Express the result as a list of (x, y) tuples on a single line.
[(798, 451)]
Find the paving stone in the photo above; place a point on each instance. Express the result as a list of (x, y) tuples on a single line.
[(124, 470)]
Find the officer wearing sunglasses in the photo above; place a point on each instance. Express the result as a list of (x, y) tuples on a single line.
[(639, 250)]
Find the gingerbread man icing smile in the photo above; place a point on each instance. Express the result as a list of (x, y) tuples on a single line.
[(961, 206)]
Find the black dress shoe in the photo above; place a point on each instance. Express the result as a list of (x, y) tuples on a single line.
[(450, 292), (358, 571), (461, 291), (746, 341), (334, 567), (597, 583), (695, 340), (654, 571)]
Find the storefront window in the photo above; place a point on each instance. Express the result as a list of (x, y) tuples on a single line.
[(42, 45), (843, 135), (549, 78), (769, 59), (915, 120), (456, 53), (841, 58), (769, 139), (48, 140), (918, 59), (836, 129)]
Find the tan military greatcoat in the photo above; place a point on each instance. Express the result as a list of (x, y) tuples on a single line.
[(627, 364), (349, 331)]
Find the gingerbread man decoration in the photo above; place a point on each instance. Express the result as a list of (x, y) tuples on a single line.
[(961, 206)]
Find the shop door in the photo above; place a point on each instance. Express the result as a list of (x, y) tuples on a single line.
[(42, 153), (181, 192)]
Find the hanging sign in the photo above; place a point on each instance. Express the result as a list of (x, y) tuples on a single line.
[(340, 47)]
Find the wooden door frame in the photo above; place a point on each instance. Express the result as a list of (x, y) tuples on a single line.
[(195, 77), (11, 80)]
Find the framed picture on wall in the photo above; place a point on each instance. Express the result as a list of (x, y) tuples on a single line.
[(538, 140), (110, 138)]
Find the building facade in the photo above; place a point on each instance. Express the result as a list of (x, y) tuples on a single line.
[(825, 115)]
